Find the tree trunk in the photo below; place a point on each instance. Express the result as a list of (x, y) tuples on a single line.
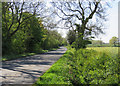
[(81, 43)]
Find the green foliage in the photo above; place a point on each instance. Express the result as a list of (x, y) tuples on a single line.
[(77, 39), (80, 43), (12, 57), (97, 43), (92, 67), (83, 66), (52, 39), (33, 33), (6, 17), (30, 34), (64, 42), (111, 51), (71, 36), (113, 41), (25, 39)]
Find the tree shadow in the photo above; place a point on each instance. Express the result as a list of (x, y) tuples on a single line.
[(53, 53), (46, 59)]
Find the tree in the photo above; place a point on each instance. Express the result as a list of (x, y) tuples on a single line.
[(97, 42), (64, 42), (24, 29), (0, 30), (14, 12), (113, 41), (32, 30), (80, 14), (71, 36), (13, 19), (51, 39)]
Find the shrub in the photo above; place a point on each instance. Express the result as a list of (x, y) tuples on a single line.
[(92, 67)]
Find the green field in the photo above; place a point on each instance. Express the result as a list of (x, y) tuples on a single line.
[(108, 50)]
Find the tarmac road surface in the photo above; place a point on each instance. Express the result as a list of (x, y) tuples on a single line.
[(27, 70)]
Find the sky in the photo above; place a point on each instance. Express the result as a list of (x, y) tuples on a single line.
[(111, 25)]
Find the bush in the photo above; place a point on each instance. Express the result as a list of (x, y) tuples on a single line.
[(92, 67)]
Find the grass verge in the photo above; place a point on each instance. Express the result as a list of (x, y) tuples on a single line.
[(58, 73)]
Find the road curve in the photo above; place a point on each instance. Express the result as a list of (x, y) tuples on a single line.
[(27, 70)]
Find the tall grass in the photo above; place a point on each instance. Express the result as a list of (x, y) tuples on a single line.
[(112, 51)]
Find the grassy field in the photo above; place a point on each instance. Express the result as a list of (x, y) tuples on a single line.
[(112, 51)]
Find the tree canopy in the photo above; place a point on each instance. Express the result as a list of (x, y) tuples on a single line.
[(86, 17), (23, 30), (113, 41)]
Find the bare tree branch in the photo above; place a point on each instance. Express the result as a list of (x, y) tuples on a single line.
[(81, 12)]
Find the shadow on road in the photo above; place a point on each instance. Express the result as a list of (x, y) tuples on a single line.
[(30, 67), (53, 53)]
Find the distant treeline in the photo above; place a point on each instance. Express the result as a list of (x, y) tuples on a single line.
[(113, 42), (103, 45)]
